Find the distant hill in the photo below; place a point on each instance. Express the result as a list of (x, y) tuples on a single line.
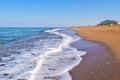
[(108, 22)]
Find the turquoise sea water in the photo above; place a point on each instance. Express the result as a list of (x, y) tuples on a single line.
[(10, 34), (37, 53)]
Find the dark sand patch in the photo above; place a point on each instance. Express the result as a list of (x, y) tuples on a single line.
[(98, 64)]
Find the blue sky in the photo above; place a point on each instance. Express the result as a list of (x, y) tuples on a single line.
[(40, 13)]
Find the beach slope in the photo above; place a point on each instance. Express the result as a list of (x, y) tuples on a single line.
[(102, 61), (108, 35)]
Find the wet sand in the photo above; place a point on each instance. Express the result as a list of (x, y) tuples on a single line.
[(107, 35), (100, 62)]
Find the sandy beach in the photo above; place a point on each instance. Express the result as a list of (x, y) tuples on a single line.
[(108, 35), (102, 61)]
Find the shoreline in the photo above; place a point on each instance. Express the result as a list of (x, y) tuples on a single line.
[(108, 36), (100, 62)]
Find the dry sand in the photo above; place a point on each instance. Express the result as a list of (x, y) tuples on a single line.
[(109, 36), (102, 61)]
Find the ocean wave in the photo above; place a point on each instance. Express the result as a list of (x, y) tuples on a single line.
[(56, 62), (51, 58)]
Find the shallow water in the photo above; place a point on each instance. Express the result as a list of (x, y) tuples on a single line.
[(44, 55)]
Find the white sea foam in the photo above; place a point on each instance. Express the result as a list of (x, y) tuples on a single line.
[(50, 59), (56, 63)]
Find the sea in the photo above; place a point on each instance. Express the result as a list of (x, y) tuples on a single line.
[(37, 53)]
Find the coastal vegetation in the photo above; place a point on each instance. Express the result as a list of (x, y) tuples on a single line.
[(109, 22)]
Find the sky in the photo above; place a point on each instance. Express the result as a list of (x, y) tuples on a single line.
[(57, 13)]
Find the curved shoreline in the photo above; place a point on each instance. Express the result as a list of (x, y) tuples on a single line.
[(99, 63), (106, 35)]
